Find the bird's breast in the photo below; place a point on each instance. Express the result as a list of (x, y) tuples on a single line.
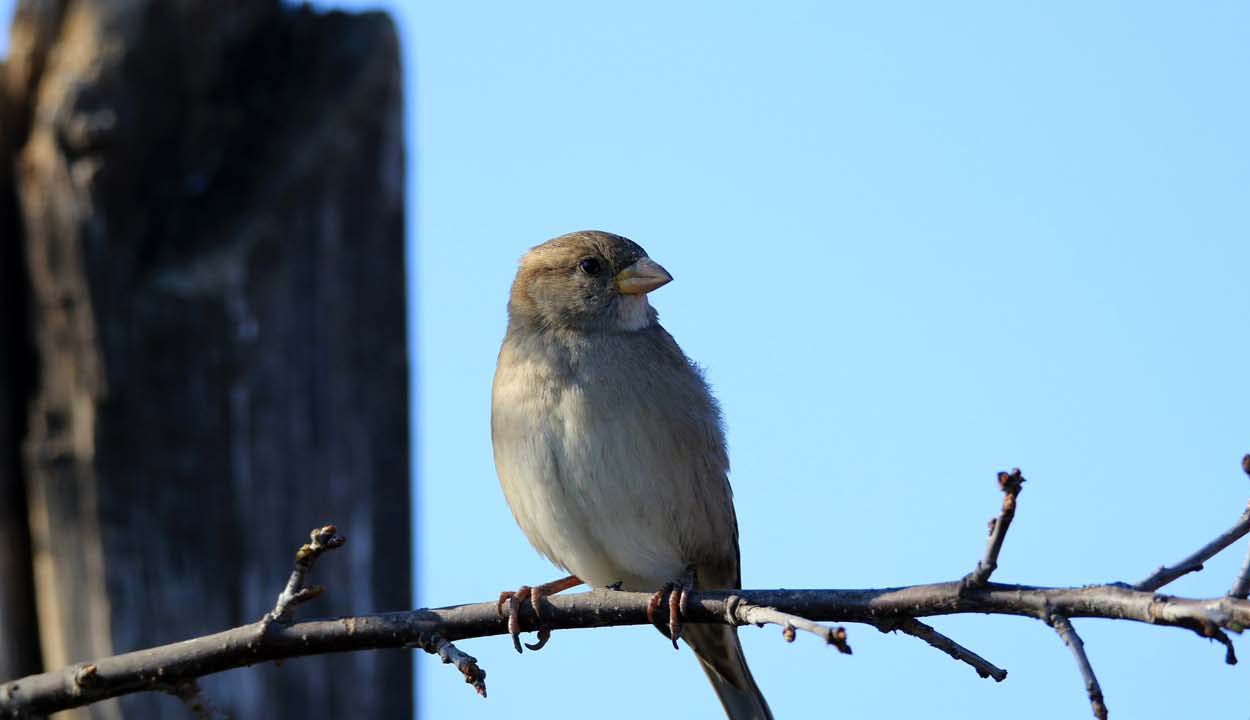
[(605, 469)]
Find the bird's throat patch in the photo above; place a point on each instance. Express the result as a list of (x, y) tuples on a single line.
[(633, 312)]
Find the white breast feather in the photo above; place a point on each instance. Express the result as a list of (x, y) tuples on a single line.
[(585, 486)]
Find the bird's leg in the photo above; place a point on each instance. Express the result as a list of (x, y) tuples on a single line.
[(678, 595), (534, 595)]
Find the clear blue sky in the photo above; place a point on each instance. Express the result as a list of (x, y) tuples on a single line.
[(913, 245)]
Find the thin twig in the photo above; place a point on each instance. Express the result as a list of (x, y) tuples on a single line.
[(1010, 483), (1073, 641), (740, 612), (193, 698), (1194, 562), (929, 634), (1230, 655), (465, 663), (1241, 586), (322, 539)]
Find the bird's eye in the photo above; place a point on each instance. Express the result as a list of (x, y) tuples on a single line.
[(589, 265)]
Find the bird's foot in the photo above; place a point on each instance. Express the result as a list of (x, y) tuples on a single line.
[(535, 595), (677, 593)]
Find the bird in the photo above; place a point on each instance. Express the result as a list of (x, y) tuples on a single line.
[(610, 447)]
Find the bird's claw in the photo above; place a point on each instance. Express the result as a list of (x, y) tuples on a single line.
[(543, 636), (678, 594), (535, 595), (514, 599)]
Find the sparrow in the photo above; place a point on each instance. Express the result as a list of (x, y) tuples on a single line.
[(610, 447)]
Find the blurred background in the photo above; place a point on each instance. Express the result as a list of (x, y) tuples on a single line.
[(913, 245)]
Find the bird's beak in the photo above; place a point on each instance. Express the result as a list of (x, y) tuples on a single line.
[(642, 277)]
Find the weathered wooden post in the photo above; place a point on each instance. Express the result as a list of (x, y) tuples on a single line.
[(202, 221)]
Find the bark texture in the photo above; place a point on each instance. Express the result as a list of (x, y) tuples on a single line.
[(19, 639), (208, 202)]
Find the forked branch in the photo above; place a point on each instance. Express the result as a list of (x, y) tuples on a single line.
[(274, 637)]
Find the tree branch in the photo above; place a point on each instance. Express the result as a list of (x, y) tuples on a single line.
[(428, 628), (174, 667), (465, 663), (1194, 563), (1010, 483), (915, 628), (321, 539), (740, 612), (1073, 641), (1241, 586)]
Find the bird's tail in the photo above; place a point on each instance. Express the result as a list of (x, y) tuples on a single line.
[(721, 656)]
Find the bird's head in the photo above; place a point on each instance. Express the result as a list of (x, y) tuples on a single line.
[(589, 281)]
